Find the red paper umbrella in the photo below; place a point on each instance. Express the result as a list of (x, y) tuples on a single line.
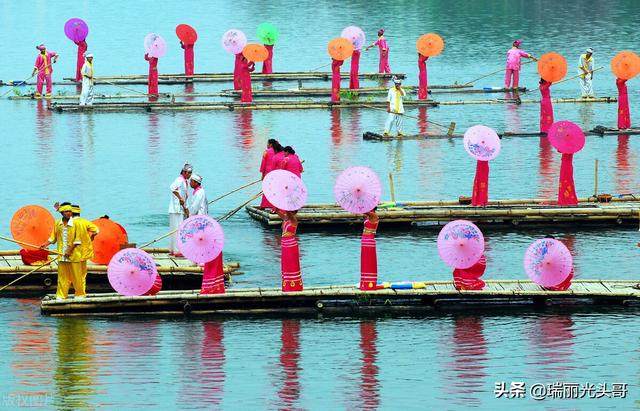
[(552, 67), (255, 52), (110, 239), (32, 224), (340, 48), (186, 33), (566, 137), (625, 65), (430, 44)]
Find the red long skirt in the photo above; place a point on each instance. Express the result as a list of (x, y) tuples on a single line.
[(291, 276), (213, 277)]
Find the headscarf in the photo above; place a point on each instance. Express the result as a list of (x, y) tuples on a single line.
[(380, 32), (65, 208), (41, 47), (196, 178), (517, 43), (187, 167)]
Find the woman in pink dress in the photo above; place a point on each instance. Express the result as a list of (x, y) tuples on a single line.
[(267, 65), (624, 118), (291, 276), (237, 65), (266, 166), (278, 158), (513, 65), (335, 79), (82, 48), (383, 67), (354, 80), (368, 256), (469, 278), (153, 74), (213, 277), (246, 68), (291, 161), (188, 58), (546, 108), (422, 77)]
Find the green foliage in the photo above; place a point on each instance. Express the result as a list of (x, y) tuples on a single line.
[(349, 94)]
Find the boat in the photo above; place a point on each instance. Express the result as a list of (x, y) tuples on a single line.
[(176, 272), (603, 209), (348, 300)]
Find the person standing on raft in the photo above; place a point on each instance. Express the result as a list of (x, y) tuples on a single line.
[(178, 204), (395, 108), (624, 117), (546, 107), (82, 49), (153, 75), (383, 66), (512, 72), (86, 232), (585, 66), (291, 275), (368, 255), (44, 68), (335, 80), (291, 161), (246, 68), (188, 58), (86, 96)]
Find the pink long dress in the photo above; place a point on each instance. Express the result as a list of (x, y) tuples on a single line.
[(291, 276), (567, 190), (44, 64), (292, 163), (246, 68), (188, 58), (480, 193), (624, 118), (213, 277), (422, 77), (469, 278), (153, 74), (335, 79), (237, 72), (383, 67), (546, 107), (354, 80), (267, 65), (266, 166), (513, 67), (82, 48), (368, 257)]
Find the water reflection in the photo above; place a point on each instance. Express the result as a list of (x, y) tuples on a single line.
[(45, 133), (423, 125), (586, 113), (551, 340), (624, 171), (189, 89), (336, 127), (75, 370), (465, 371), (211, 369), (547, 187), (289, 392), (512, 113), (370, 385)]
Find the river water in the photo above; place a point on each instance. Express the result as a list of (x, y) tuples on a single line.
[(122, 163)]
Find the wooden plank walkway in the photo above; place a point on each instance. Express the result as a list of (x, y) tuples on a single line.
[(176, 272), (523, 213), (349, 300)]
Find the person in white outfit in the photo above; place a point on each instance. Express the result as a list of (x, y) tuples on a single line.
[(86, 96), (198, 204), (178, 203), (395, 107), (585, 66)]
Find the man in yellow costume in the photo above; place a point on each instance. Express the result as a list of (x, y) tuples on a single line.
[(86, 232)]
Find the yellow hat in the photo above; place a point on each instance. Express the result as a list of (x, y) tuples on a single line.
[(65, 208), (75, 209)]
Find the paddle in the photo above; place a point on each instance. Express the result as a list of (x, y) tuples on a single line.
[(450, 128), (22, 82), (32, 271), (492, 73)]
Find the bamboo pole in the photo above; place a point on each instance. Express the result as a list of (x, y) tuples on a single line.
[(494, 72), (234, 211), (595, 180), (32, 271), (22, 82), (233, 191), (393, 192), (27, 244), (577, 75)]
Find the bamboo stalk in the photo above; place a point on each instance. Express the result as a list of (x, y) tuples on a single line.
[(595, 180), (27, 244), (494, 72), (577, 75)]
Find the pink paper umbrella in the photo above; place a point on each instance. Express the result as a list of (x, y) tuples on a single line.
[(76, 29), (482, 143), (358, 189), (548, 262), (284, 190), (233, 41), (355, 35), (131, 271), (566, 137), (200, 238), (460, 244), (155, 45)]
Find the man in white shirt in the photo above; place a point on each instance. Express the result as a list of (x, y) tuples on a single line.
[(198, 200), (585, 66), (395, 108), (178, 204), (86, 97)]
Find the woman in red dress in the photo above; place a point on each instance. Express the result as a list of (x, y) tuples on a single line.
[(291, 277), (624, 118), (266, 166), (368, 256), (153, 75), (291, 161), (546, 107), (213, 277), (335, 79), (469, 278), (246, 68)]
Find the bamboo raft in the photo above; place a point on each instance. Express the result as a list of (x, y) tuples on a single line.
[(177, 273), (324, 92), (347, 300), (529, 101), (623, 209), (230, 106), (598, 131)]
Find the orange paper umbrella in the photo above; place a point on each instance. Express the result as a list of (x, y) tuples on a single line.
[(32, 224), (255, 52), (107, 243), (625, 65), (340, 48), (552, 67), (430, 44)]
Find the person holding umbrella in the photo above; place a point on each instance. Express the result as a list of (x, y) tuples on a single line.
[(86, 96), (395, 108), (82, 49), (153, 75), (44, 68), (383, 66), (585, 65), (291, 275), (246, 68), (368, 255), (178, 203)]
